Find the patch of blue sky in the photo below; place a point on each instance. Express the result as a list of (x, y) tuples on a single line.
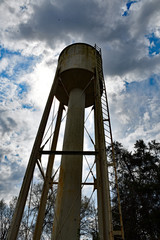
[(128, 5), (152, 81), (5, 91), (28, 106), (4, 52), (26, 65), (21, 64), (154, 47), (22, 89), (6, 158), (147, 87), (23, 8), (17, 66), (126, 84)]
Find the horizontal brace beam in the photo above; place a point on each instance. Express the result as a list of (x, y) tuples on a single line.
[(69, 152), (87, 183)]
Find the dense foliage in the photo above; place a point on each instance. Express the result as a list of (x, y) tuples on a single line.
[(139, 184)]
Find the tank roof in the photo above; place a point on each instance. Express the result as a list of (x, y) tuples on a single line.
[(79, 43)]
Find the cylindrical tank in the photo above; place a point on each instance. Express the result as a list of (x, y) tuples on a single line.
[(76, 69)]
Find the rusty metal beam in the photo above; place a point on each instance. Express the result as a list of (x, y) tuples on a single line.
[(47, 182)]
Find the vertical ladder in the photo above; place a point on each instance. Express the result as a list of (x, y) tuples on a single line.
[(118, 231)]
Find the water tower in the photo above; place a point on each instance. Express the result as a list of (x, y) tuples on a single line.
[(78, 84)]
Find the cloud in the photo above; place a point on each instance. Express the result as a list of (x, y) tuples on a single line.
[(134, 110), (11, 177), (65, 21), (7, 125)]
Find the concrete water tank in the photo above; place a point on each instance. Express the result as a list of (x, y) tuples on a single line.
[(76, 69)]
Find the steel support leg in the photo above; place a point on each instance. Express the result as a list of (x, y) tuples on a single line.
[(47, 182)]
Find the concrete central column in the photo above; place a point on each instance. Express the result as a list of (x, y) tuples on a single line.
[(67, 213)]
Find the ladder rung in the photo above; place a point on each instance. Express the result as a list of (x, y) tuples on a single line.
[(103, 95), (110, 165), (106, 127), (104, 110), (103, 103), (106, 119), (103, 98), (112, 191), (107, 130), (105, 115), (107, 136)]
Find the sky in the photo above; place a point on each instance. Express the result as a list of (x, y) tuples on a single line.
[(32, 35)]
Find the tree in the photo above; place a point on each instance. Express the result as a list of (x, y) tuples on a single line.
[(89, 219), (88, 216), (139, 180), (6, 212)]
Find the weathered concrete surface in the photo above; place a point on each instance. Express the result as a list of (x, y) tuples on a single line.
[(67, 215)]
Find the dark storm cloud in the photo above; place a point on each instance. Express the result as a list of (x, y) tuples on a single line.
[(127, 58), (148, 13), (53, 23)]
